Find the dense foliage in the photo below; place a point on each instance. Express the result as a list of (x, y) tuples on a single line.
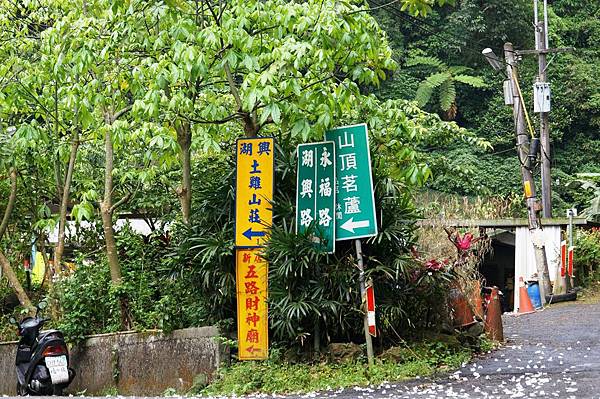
[(132, 107), (587, 256), (187, 276), (453, 37)]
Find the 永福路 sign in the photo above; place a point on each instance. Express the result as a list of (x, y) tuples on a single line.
[(315, 193)]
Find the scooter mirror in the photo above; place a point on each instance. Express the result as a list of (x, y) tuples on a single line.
[(42, 305)]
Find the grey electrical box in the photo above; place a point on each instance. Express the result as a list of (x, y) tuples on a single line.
[(508, 93), (541, 97)]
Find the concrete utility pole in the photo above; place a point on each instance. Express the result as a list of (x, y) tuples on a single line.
[(515, 98), (541, 45)]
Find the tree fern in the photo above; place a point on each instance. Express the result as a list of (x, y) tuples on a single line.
[(427, 87), (447, 94), (443, 80)]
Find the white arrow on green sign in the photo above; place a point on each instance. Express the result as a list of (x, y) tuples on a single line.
[(355, 203)]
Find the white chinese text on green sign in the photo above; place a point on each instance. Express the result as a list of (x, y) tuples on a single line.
[(315, 193), (355, 208)]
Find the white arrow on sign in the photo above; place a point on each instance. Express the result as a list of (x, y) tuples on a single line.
[(350, 224)]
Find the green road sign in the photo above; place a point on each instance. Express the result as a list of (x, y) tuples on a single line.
[(355, 208), (315, 193)]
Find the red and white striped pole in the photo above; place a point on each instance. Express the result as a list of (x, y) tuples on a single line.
[(563, 258), (370, 292), (570, 267)]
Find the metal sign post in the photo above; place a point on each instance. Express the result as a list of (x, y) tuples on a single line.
[(363, 290), (315, 193)]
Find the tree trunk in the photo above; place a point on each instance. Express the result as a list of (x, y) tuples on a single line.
[(7, 269), (106, 210), (184, 138), (15, 283), (251, 127), (62, 219), (48, 272), (12, 198)]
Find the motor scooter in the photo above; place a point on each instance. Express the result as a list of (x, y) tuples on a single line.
[(42, 361)]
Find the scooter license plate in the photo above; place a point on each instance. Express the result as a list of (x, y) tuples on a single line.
[(57, 365)]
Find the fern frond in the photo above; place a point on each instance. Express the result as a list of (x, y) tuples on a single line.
[(423, 93), (447, 95), (473, 81), (437, 79), (458, 69), (426, 61)]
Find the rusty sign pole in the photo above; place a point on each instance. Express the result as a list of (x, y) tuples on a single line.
[(363, 290)]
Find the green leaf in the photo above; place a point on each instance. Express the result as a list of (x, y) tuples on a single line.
[(423, 94), (447, 95), (473, 81), (275, 113), (425, 61)]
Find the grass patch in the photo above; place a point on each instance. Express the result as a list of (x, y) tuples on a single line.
[(590, 294), (276, 376)]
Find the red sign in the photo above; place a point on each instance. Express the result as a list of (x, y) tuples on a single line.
[(571, 271), (563, 258), (371, 309)]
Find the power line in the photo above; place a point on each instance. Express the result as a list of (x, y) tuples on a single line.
[(426, 27)]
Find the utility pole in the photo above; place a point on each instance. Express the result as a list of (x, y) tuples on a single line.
[(541, 45), (515, 98)]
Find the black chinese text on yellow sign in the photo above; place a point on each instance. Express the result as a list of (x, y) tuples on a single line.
[(252, 292), (254, 191)]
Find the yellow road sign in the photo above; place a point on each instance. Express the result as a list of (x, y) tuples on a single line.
[(252, 292), (254, 191)]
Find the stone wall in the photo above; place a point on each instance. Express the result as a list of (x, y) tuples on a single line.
[(135, 363)]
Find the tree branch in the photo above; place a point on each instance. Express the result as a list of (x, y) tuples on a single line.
[(11, 202), (120, 113), (213, 122), (232, 86)]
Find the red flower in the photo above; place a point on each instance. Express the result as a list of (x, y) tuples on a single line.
[(464, 243), (434, 265)]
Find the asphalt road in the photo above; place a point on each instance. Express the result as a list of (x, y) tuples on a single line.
[(554, 353), (550, 354)]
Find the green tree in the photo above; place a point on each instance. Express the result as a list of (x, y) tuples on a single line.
[(442, 82)]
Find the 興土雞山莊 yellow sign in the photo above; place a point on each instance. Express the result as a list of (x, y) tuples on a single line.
[(254, 191), (253, 323)]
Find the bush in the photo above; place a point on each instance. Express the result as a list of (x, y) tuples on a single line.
[(587, 256), (89, 302), (312, 295)]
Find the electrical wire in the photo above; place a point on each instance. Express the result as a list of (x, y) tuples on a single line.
[(424, 26), (463, 43), (529, 125)]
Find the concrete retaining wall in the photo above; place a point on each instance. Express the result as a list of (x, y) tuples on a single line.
[(135, 363)]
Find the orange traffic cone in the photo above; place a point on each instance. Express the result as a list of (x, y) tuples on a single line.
[(493, 318), (525, 306)]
